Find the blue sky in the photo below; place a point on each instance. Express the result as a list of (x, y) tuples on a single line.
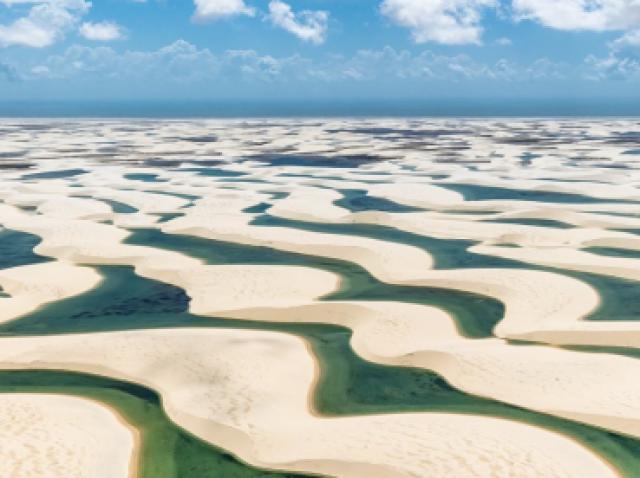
[(318, 48)]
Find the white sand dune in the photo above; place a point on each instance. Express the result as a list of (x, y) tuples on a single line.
[(310, 204), (89, 242), (317, 206), (51, 436), (593, 189), (502, 233), (74, 208), (581, 219), (564, 298), (567, 258), (32, 286), (86, 242), (419, 195), (426, 337), (386, 260), (229, 287), (247, 392), (144, 202)]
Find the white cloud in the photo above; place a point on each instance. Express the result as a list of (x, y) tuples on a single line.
[(454, 22), (103, 31), (594, 15), (44, 24), (217, 9), (503, 42), (307, 25), (611, 68), (182, 62), (19, 2), (628, 43)]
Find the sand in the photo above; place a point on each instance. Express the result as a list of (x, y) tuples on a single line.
[(50, 436), (247, 391), (32, 286)]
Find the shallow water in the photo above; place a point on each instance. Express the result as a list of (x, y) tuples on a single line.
[(474, 192), (357, 201), (16, 249), (167, 451), (476, 315), (348, 385), (67, 173), (533, 222), (619, 297), (147, 178), (213, 172)]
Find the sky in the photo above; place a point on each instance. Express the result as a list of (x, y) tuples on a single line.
[(208, 49)]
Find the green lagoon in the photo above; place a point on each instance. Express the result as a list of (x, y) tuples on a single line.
[(348, 384)]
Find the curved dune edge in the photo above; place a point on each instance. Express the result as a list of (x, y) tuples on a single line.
[(34, 285), (76, 240), (88, 242), (575, 218), (592, 189), (54, 435), (316, 205), (418, 336), (569, 259), (71, 242), (531, 297), (247, 392), (428, 196), (411, 191), (386, 260), (305, 204), (416, 192)]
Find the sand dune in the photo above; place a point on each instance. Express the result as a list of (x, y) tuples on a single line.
[(50, 436), (386, 260), (32, 286), (500, 233), (248, 392), (567, 258)]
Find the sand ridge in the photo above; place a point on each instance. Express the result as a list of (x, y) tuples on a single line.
[(228, 386), (219, 384)]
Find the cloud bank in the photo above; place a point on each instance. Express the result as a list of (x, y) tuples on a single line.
[(183, 62)]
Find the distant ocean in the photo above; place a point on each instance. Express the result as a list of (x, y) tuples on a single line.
[(440, 108)]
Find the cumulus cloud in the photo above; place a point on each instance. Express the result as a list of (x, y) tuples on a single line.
[(503, 42), (45, 23), (307, 25), (594, 15), (611, 68), (217, 9), (182, 62), (103, 31), (453, 22), (628, 45)]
